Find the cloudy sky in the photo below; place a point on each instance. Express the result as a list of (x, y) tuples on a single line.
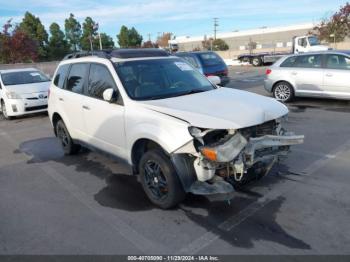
[(182, 17)]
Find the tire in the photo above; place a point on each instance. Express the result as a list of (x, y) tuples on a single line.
[(69, 147), (4, 111), (159, 180), (257, 61), (283, 91)]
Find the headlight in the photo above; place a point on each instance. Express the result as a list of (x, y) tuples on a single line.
[(13, 95)]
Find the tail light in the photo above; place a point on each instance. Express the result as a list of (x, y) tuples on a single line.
[(225, 72), (268, 71), (209, 74)]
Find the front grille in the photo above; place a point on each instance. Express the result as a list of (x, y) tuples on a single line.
[(34, 108), (267, 128), (32, 98)]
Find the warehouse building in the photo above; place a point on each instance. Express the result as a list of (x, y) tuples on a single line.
[(265, 38)]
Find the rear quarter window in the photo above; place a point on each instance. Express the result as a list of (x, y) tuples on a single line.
[(289, 62), (210, 59), (60, 76)]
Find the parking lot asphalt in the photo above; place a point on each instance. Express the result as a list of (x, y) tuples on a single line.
[(84, 204)]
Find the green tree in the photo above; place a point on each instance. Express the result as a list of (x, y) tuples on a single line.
[(123, 37), (135, 39), (58, 47), (129, 37), (73, 32), (89, 31), (32, 26), (106, 40), (220, 45)]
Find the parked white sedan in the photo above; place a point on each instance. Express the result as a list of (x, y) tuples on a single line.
[(23, 91), (321, 74)]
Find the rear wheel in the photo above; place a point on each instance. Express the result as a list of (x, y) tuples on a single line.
[(69, 147), (283, 92), (4, 111), (159, 179), (257, 61)]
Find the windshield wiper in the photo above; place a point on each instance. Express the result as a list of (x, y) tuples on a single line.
[(190, 92)]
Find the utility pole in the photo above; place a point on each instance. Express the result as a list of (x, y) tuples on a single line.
[(216, 24), (149, 37)]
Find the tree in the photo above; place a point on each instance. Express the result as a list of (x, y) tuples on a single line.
[(220, 45), (135, 39), (335, 28), (149, 44), (73, 32), (58, 47), (17, 46), (123, 37), (107, 41), (90, 28), (129, 37), (32, 27), (163, 40)]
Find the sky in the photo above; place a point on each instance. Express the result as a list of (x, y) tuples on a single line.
[(181, 17)]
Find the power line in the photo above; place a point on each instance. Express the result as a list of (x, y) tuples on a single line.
[(216, 24)]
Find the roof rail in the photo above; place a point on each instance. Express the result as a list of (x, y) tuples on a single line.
[(120, 53)]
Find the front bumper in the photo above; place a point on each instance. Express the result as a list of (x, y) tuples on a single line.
[(18, 107)]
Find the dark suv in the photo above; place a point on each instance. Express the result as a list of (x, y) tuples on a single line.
[(208, 63)]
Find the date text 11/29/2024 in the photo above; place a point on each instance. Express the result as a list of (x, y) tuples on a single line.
[(173, 258)]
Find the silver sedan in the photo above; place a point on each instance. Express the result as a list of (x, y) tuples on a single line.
[(322, 74)]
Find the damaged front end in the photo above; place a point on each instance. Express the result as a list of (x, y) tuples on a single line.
[(217, 160)]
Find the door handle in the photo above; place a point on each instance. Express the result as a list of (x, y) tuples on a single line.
[(61, 99), (294, 73), (86, 107), (329, 75)]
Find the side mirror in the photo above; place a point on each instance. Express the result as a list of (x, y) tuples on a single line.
[(214, 80), (109, 95)]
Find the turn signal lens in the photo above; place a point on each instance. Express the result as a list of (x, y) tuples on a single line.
[(209, 153), (268, 71)]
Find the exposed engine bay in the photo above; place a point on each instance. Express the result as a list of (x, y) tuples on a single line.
[(227, 157)]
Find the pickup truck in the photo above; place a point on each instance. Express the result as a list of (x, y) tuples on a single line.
[(301, 44)]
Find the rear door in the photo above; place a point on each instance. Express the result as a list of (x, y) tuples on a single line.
[(71, 98), (337, 76), (104, 121), (307, 74)]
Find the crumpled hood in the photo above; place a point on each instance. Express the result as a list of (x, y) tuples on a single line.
[(29, 88), (222, 108)]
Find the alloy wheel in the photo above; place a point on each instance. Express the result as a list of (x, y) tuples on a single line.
[(155, 180), (282, 92)]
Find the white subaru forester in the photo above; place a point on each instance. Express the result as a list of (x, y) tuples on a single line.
[(176, 129)]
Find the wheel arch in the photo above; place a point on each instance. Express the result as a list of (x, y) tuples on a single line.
[(141, 146), (281, 81)]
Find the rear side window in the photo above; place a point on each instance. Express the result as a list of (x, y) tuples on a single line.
[(304, 61), (210, 59), (100, 79), (77, 75), (337, 62), (61, 76)]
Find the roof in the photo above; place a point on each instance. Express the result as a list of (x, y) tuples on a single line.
[(121, 53), (18, 70)]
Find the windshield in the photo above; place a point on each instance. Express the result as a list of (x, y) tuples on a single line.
[(160, 78), (23, 77), (210, 59), (313, 40)]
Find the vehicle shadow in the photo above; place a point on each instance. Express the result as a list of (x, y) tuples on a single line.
[(260, 224)]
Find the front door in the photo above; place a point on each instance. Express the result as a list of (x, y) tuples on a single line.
[(104, 121)]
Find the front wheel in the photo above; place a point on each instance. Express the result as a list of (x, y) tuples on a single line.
[(283, 92), (160, 180), (69, 147), (4, 111)]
